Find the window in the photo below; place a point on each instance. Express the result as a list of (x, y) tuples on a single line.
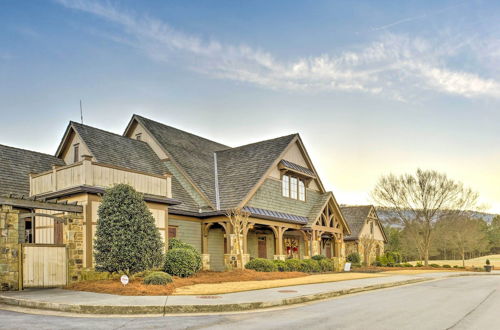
[(293, 187), (302, 191), (138, 136), (172, 232), (286, 186), (76, 153)]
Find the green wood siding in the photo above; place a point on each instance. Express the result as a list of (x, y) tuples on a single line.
[(216, 249), (269, 197), (188, 231)]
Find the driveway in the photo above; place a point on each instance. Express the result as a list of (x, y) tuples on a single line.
[(470, 302)]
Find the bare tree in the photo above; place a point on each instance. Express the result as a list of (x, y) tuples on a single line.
[(420, 200), (368, 243), (466, 235), (238, 218)]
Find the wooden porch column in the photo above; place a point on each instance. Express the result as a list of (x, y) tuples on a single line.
[(278, 242)]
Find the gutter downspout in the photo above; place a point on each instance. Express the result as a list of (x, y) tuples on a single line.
[(216, 176)]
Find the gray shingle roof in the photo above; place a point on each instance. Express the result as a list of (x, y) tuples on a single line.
[(241, 168), (15, 166), (297, 167), (193, 153), (114, 149), (355, 216)]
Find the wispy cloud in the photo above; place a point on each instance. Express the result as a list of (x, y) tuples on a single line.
[(395, 66)]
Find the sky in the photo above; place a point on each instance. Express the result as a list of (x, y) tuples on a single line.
[(373, 87)]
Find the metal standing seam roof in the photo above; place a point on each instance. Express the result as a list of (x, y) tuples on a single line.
[(274, 215), (298, 168), (16, 165)]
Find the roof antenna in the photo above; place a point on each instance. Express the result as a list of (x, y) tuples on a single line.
[(81, 112)]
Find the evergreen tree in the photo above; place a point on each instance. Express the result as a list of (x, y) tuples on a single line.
[(127, 239)]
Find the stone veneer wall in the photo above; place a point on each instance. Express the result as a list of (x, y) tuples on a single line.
[(73, 235), (10, 249)]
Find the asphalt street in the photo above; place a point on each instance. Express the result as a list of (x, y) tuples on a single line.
[(470, 302)]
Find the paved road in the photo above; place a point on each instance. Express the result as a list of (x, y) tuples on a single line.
[(471, 302)]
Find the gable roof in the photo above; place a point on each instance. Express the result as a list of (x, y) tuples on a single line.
[(194, 154), (114, 149), (355, 216), (16, 165), (240, 169)]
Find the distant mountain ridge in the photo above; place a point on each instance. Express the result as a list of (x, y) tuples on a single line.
[(386, 214)]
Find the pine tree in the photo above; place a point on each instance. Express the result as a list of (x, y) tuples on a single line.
[(127, 239)]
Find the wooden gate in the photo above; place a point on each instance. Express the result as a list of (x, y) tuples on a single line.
[(44, 265)]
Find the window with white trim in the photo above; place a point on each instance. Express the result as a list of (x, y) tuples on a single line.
[(293, 187), (285, 185)]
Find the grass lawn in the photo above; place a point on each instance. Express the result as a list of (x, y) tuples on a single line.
[(476, 262), (203, 289)]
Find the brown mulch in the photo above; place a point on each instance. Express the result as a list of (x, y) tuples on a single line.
[(137, 288)]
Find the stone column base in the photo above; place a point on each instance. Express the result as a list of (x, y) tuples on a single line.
[(279, 257), (338, 264), (205, 261), (235, 261)]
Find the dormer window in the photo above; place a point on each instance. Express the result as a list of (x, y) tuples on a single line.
[(76, 153), (138, 136), (293, 187)]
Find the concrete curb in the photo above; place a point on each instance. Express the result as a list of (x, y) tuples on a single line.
[(176, 309)]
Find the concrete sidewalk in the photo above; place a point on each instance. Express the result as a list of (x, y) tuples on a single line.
[(97, 303)]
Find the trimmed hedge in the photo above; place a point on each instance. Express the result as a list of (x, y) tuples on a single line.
[(318, 257), (326, 265), (354, 258), (281, 264), (293, 265), (157, 278), (310, 266), (262, 265), (182, 262), (434, 265)]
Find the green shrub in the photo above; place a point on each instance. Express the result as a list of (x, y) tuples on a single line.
[(358, 265), (398, 265), (326, 265), (262, 265), (446, 266), (182, 262), (281, 265), (419, 264), (310, 266), (393, 257), (127, 239), (381, 261), (175, 243), (293, 265), (354, 258), (488, 262), (318, 257), (434, 265), (157, 278), (456, 266), (407, 264)]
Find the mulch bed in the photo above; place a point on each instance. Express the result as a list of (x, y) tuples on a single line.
[(137, 288)]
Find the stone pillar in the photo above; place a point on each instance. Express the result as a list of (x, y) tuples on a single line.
[(316, 246), (73, 238), (205, 259), (10, 250)]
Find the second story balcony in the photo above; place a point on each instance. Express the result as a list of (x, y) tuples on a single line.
[(87, 173)]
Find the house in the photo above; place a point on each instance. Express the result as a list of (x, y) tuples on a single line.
[(189, 183), (367, 231)]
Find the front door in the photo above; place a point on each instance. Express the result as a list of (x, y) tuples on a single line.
[(328, 248), (262, 247)]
